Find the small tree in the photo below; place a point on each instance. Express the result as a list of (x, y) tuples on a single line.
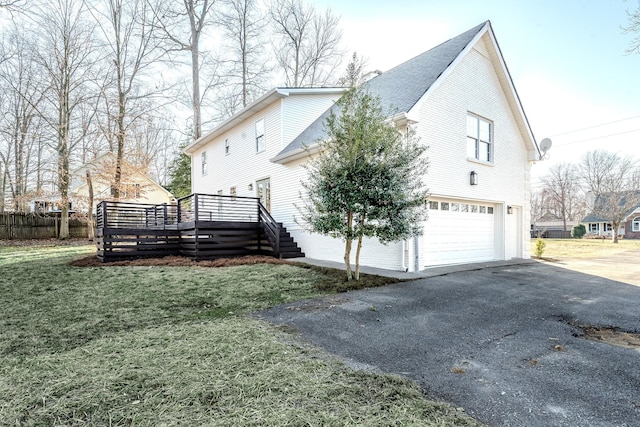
[(366, 180), (540, 245), (578, 231), (180, 174)]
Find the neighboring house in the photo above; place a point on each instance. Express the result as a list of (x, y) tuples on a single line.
[(460, 100), (136, 186), (552, 226), (598, 225)]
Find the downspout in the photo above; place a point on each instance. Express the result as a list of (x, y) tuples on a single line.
[(402, 257), (416, 245)]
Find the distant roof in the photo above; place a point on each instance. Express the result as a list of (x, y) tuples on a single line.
[(400, 88), (632, 204)]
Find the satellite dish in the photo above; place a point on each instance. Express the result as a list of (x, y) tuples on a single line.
[(545, 144)]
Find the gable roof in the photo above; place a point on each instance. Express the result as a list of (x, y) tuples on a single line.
[(106, 157), (402, 87), (259, 104), (630, 199)]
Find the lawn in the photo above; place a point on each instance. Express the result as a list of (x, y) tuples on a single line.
[(160, 345), (560, 249)]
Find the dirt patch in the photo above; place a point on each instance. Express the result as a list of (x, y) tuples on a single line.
[(610, 335), (179, 261)]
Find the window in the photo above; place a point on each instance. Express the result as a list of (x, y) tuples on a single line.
[(203, 158), (635, 225), (233, 191), (483, 209), (479, 139), (226, 146), (593, 227), (608, 227), (464, 208), (489, 210), (474, 208), (444, 206), (433, 205), (260, 143), (455, 207)]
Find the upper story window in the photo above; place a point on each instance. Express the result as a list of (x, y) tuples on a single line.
[(203, 158), (479, 138), (226, 146), (260, 142)]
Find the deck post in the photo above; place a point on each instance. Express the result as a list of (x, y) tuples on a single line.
[(259, 226), (195, 224), (105, 220), (165, 216)]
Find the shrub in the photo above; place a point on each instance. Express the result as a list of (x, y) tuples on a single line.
[(540, 245), (578, 231)]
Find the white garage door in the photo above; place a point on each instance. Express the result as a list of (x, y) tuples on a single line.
[(459, 232)]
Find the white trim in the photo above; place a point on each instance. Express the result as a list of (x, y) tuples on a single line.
[(512, 94), (256, 106)]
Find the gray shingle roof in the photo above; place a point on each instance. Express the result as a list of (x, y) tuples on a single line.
[(400, 88)]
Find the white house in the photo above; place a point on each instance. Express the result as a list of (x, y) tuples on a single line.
[(136, 186), (461, 101)]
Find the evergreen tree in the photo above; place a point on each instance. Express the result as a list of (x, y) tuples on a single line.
[(367, 180), (180, 175)]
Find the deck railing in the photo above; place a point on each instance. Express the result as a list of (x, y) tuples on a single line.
[(194, 208), (135, 215), (213, 207)]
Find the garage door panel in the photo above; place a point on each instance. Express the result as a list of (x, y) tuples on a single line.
[(453, 237)]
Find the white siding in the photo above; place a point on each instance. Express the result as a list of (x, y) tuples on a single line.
[(472, 86)]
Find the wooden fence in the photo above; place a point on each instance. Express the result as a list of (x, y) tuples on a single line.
[(30, 226)]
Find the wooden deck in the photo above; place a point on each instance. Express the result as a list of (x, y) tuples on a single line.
[(200, 226)]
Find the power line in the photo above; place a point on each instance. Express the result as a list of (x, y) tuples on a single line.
[(599, 137), (595, 126)]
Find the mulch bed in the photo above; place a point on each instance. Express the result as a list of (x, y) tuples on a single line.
[(179, 261)]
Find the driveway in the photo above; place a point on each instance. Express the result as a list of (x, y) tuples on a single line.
[(503, 343)]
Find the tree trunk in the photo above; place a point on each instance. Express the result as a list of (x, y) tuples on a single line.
[(195, 81), (614, 232), (357, 272), (347, 247), (90, 224)]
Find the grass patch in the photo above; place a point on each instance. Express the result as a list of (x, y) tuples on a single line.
[(584, 248), (160, 345)]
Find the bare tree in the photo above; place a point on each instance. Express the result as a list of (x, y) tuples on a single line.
[(562, 191), (181, 25), (614, 182), (633, 28), (354, 74), (244, 31), (65, 50), (307, 43), (127, 27), (21, 142)]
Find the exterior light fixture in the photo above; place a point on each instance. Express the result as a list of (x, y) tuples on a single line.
[(509, 210), (473, 178), (250, 187)]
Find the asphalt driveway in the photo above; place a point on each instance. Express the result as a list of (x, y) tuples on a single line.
[(503, 342)]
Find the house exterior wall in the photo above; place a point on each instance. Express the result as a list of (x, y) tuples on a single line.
[(473, 87), (628, 226), (150, 193)]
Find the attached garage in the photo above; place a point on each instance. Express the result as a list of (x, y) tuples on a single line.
[(459, 232)]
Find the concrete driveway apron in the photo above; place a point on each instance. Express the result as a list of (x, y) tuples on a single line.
[(500, 342)]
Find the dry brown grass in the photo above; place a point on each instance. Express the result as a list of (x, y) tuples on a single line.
[(558, 249)]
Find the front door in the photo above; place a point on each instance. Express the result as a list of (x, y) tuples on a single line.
[(263, 191)]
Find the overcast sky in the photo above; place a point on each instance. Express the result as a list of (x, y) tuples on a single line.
[(567, 59)]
